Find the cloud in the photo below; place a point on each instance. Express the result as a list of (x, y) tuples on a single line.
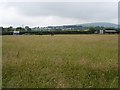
[(13, 17), (54, 13)]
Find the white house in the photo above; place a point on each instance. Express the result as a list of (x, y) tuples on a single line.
[(106, 32), (16, 32)]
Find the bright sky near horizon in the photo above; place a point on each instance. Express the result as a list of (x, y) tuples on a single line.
[(57, 13)]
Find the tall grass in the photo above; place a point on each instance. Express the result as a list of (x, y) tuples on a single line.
[(60, 61)]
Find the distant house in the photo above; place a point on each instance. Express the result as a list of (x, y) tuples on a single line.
[(106, 32), (99, 32), (111, 32), (16, 32)]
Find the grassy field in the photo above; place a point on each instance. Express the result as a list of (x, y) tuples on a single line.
[(60, 61)]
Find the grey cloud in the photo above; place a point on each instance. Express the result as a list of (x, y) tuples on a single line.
[(78, 10)]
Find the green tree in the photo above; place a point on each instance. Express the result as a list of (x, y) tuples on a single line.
[(92, 29), (20, 29), (27, 28), (10, 28)]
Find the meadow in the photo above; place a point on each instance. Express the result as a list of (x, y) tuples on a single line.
[(60, 61)]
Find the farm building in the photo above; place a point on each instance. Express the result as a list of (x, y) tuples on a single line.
[(16, 32), (106, 32), (110, 32)]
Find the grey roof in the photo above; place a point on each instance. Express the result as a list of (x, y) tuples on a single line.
[(110, 31)]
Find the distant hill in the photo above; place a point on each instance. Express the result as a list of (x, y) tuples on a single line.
[(104, 24)]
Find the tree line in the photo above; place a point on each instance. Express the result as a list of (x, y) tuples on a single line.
[(27, 30)]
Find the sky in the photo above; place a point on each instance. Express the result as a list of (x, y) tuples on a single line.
[(41, 14)]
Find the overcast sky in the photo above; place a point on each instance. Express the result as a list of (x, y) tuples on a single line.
[(54, 13)]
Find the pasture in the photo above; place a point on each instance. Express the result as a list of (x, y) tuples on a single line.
[(60, 61)]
